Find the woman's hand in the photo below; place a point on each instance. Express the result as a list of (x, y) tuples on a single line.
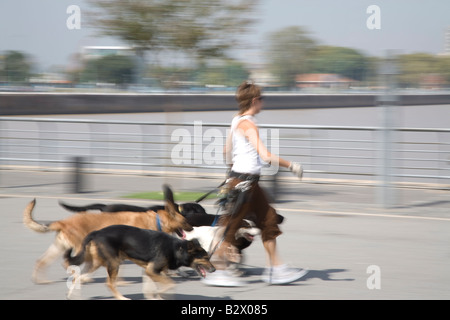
[(297, 169)]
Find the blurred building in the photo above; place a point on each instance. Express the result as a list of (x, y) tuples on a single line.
[(447, 42), (50, 80), (432, 81), (2, 65), (96, 52), (323, 80), (263, 77)]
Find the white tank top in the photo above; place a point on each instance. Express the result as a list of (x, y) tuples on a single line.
[(245, 156)]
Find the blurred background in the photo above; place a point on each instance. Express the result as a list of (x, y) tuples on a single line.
[(359, 92), (195, 45), (106, 100)]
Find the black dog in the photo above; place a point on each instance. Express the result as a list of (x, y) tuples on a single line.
[(194, 213), (153, 250), (119, 207)]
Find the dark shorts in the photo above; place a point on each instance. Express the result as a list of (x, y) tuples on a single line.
[(256, 207)]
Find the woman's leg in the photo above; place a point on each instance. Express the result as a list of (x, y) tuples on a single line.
[(272, 254)]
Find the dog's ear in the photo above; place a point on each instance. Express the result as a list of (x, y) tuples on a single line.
[(280, 219), (168, 194), (192, 244), (170, 205)]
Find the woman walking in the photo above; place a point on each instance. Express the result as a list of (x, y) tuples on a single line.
[(246, 152)]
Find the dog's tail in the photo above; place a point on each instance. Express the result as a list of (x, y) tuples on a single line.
[(94, 206), (79, 258), (32, 224)]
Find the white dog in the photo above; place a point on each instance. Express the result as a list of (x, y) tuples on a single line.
[(211, 237)]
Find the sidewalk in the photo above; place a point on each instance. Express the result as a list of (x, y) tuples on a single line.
[(335, 231), (293, 194)]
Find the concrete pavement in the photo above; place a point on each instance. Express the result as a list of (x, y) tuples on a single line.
[(353, 248)]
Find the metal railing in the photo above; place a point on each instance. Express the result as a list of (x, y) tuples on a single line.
[(419, 155)]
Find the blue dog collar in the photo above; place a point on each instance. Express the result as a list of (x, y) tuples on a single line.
[(158, 222)]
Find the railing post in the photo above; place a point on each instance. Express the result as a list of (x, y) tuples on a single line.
[(387, 101)]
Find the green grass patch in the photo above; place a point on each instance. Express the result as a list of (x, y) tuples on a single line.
[(179, 196)]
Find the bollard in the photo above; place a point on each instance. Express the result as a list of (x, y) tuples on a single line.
[(77, 175)]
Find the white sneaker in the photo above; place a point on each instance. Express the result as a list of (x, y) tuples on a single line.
[(282, 274), (222, 278)]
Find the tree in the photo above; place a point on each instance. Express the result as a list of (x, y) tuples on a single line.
[(288, 52), (199, 28), (443, 63), (111, 69), (346, 62), (230, 74), (16, 67), (413, 67)]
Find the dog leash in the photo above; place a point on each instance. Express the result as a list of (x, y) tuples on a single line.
[(208, 193), (217, 245), (216, 218), (242, 188)]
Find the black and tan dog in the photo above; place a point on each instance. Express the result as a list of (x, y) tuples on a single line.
[(154, 251), (71, 231)]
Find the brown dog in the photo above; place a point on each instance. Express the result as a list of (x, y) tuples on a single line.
[(72, 231)]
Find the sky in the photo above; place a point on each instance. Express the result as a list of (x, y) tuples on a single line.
[(38, 27)]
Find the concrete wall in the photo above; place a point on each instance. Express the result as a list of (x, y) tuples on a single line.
[(76, 103)]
